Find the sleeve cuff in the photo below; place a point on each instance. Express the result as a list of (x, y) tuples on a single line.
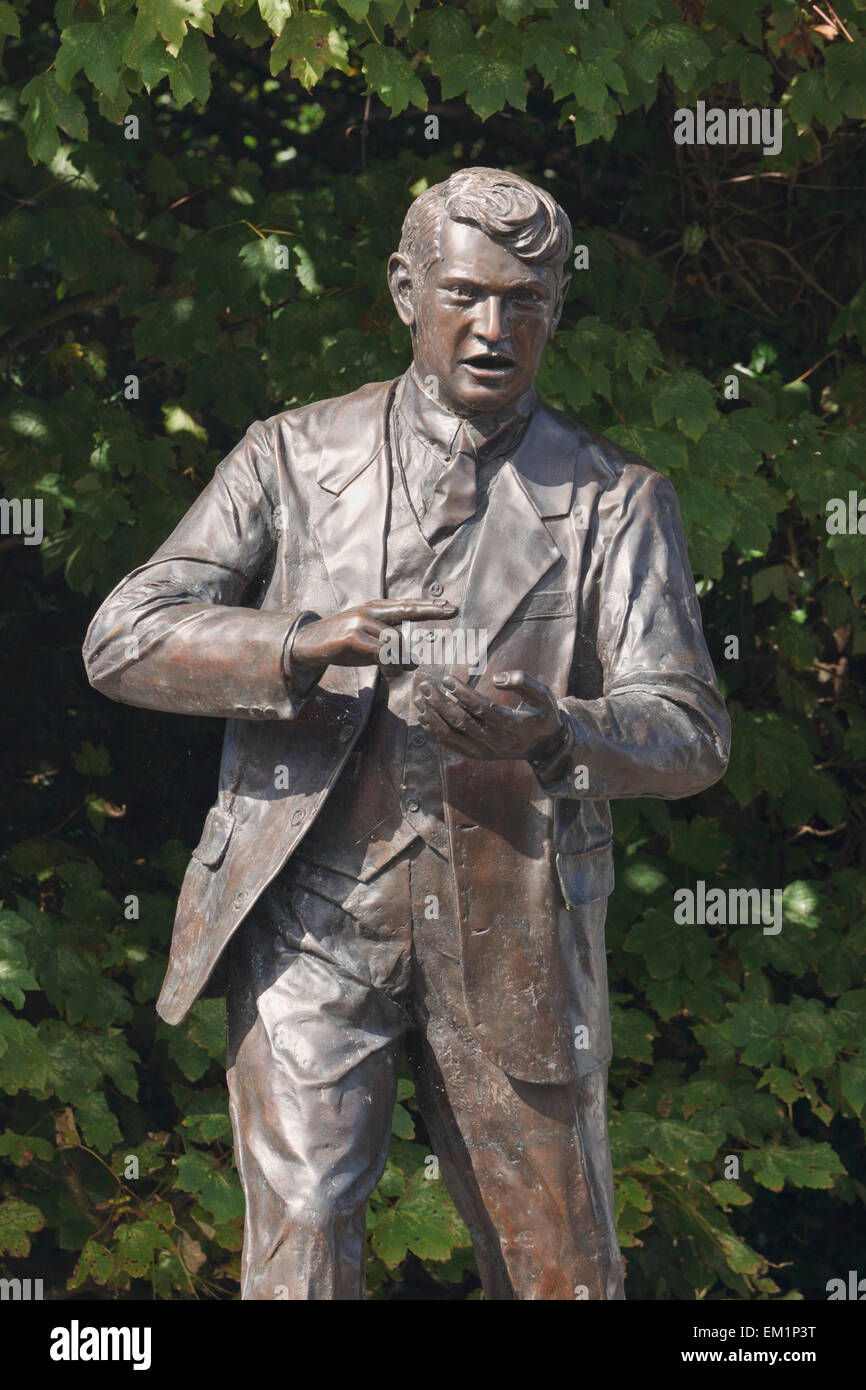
[(299, 680), (552, 770)]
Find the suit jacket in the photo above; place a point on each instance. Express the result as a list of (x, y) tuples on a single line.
[(580, 576)]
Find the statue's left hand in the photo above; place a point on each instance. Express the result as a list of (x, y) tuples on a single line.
[(478, 727)]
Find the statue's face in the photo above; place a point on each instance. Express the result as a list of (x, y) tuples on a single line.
[(480, 319)]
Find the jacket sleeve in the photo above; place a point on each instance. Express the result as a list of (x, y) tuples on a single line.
[(661, 727), (174, 635)]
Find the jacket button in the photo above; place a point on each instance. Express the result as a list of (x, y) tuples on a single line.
[(345, 735), (436, 588), (241, 897), (417, 740), (298, 816), (413, 804)]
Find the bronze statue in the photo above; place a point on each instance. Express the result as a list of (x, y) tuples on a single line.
[(446, 625)]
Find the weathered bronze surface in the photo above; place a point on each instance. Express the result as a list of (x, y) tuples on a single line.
[(411, 845)]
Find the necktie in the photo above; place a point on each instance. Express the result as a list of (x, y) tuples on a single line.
[(454, 496)]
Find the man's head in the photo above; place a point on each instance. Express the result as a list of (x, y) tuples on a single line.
[(480, 280)]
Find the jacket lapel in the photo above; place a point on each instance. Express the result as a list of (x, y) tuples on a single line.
[(514, 549), (354, 477)]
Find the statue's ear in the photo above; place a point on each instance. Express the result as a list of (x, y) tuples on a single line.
[(401, 285)]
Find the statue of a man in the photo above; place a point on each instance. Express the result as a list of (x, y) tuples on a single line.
[(446, 625)]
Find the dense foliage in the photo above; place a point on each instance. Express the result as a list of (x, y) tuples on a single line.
[(200, 199)]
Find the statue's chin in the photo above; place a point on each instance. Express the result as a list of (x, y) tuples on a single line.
[(475, 390)]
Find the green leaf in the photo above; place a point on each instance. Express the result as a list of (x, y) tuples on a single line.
[(24, 1063), (801, 902), (630, 1192), (694, 237), (137, 1243), (79, 1058), (591, 125), (98, 49), (852, 1079), (49, 107), (633, 1032), (488, 82), (643, 876), (18, 1221), (637, 13), (771, 582), (845, 65), (782, 1084), (21, 1149), (686, 397), (171, 19), (423, 1220), (99, 1127), (543, 49), (207, 1028), (740, 16), (806, 100), (174, 330), (179, 421), (392, 78), (678, 47), (664, 449), (750, 71), (189, 75), (401, 1123), (639, 351), (448, 32), (207, 1118), (740, 1257), (729, 1193), (311, 44), (591, 82), (515, 10), (276, 12), (756, 1029), (9, 22), (219, 1190), (91, 761), (809, 1165), (15, 976), (95, 1262)]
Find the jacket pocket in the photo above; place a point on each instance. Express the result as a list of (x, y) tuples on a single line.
[(547, 603), (586, 877), (216, 834)]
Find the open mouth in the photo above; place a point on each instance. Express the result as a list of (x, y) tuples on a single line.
[(491, 364)]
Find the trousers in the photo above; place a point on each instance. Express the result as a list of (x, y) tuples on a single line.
[(329, 981)]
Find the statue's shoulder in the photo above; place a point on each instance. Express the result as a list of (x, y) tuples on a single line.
[(350, 416), (612, 465)]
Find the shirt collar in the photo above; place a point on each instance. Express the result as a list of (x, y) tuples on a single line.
[(436, 427)]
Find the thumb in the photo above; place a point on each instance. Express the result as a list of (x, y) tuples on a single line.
[(535, 692)]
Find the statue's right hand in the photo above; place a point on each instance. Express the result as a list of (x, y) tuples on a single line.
[(357, 636)]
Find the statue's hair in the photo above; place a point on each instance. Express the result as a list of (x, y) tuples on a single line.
[(508, 209)]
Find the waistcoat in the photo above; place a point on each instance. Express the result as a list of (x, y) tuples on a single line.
[(390, 791)]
